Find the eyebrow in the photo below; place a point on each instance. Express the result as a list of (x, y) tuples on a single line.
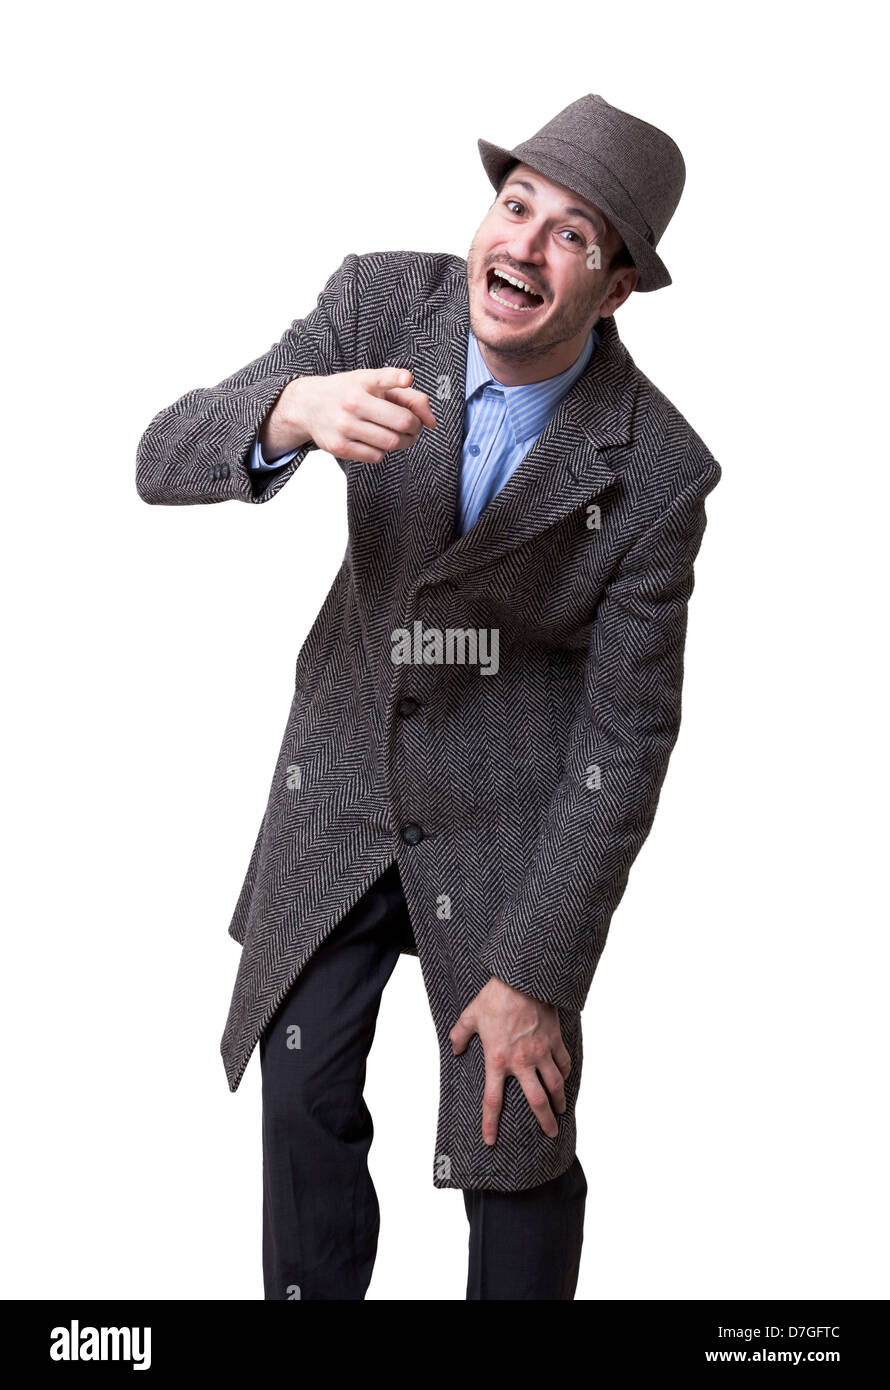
[(566, 212)]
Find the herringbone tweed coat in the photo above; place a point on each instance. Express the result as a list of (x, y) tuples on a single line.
[(513, 801)]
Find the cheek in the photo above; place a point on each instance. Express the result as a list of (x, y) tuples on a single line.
[(481, 237), (484, 241), (578, 287)]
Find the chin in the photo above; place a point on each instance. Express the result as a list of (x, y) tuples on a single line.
[(504, 324)]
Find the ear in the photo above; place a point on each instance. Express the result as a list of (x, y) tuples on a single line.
[(626, 281)]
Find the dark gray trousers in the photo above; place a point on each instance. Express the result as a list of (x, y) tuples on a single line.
[(321, 1217)]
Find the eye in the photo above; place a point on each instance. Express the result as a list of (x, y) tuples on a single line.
[(515, 206)]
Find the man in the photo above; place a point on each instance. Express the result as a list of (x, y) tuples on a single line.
[(486, 704)]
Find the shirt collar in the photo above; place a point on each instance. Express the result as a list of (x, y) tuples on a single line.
[(528, 407)]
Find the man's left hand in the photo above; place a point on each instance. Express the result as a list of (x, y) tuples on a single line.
[(520, 1037)]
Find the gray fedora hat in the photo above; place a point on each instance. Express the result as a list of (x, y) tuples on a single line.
[(629, 169)]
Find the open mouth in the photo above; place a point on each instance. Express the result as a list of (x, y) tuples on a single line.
[(511, 292)]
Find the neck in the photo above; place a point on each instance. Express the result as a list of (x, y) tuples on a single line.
[(523, 366)]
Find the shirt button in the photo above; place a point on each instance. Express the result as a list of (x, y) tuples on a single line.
[(406, 707), (474, 448), (412, 834)]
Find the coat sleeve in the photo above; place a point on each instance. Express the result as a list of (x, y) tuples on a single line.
[(551, 932), (199, 449)]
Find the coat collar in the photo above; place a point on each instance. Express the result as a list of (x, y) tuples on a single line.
[(564, 467), (528, 407)]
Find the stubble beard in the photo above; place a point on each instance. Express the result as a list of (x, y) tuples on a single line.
[(568, 322)]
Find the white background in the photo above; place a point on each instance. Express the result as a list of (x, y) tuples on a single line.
[(181, 181)]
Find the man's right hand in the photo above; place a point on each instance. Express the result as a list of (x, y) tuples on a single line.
[(360, 416)]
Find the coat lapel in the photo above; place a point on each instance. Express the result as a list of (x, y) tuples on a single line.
[(563, 469)]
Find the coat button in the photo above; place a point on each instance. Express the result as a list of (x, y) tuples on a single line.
[(412, 834), (406, 707)]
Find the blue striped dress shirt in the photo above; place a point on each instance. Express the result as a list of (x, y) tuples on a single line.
[(501, 424)]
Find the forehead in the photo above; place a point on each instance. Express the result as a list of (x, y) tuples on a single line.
[(537, 184)]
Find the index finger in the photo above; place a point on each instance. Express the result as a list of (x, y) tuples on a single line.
[(382, 379)]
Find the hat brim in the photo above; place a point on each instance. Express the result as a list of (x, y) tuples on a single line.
[(653, 272)]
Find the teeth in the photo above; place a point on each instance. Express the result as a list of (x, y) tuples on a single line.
[(511, 280), (517, 308), (520, 284)]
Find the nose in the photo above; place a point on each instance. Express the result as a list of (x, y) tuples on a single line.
[(526, 244)]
